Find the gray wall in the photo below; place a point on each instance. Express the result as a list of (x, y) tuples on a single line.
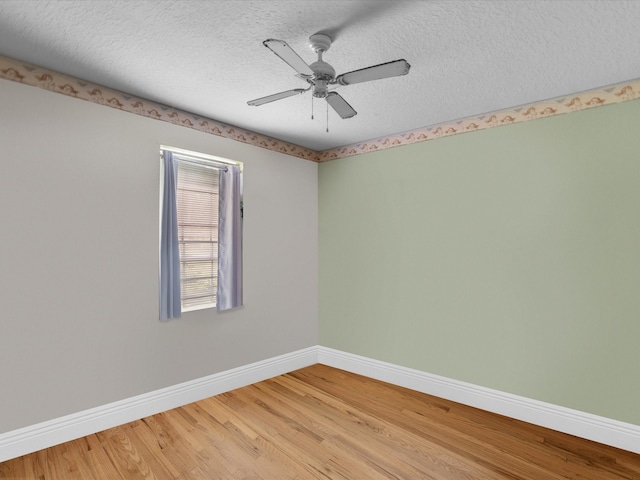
[(79, 195)]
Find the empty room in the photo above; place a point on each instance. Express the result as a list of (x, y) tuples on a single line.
[(340, 239)]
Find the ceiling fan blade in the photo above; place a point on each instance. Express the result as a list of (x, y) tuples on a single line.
[(276, 96), (340, 105), (377, 72), (286, 53)]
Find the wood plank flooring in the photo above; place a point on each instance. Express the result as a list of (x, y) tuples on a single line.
[(324, 423)]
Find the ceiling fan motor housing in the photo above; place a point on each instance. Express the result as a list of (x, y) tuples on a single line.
[(323, 74)]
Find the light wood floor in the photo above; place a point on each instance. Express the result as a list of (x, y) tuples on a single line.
[(320, 422)]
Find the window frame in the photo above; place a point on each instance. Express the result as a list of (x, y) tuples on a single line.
[(206, 161)]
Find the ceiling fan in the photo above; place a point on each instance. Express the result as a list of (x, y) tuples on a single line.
[(320, 75)]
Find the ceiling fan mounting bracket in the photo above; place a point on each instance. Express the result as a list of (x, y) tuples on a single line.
[(319, 42)]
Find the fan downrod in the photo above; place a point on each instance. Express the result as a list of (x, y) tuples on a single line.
[(324, 73)]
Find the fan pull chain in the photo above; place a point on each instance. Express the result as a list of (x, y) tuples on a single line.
[(327, 117), (311, 107)]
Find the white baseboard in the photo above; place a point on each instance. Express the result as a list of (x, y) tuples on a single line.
[(53, 432), (592, 427)]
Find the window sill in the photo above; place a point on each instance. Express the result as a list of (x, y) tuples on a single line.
[(199, 307)]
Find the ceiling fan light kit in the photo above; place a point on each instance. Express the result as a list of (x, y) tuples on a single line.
[(321, 76)]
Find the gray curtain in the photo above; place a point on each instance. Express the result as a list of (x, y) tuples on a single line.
[(229, 293), (169, 253)]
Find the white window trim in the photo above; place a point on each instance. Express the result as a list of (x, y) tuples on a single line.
[(205, 160)]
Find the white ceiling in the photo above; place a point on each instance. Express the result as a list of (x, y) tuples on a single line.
[(468, 57)]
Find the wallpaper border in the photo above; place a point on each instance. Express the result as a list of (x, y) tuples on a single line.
[(617, 93), (17, 71), (21, 72)]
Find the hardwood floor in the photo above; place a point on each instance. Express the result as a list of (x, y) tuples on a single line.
[(320, 422)]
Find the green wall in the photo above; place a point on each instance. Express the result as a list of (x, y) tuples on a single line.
[(508, 258)]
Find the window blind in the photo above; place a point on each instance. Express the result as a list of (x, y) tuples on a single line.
[(197, 212)]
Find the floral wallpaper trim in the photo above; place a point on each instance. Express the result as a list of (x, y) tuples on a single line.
[(617, 93), (21, 72)]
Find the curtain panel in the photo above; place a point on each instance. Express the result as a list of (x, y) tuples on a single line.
[(229, 292), (169, 253)]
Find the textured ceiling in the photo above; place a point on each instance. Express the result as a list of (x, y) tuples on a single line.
[(467, 57)]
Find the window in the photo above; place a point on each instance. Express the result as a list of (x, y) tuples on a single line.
[(197, 209), (201, 233)]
